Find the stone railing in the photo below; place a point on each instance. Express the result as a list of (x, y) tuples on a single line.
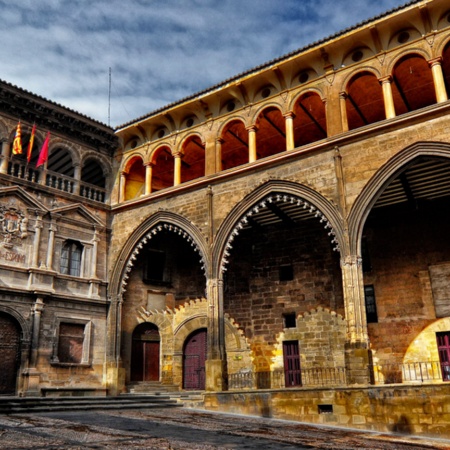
[(412, 372), (57, 181), (317, 376)]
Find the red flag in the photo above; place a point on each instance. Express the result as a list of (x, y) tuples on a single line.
[(43, 154), (17, 143), (30, 144)]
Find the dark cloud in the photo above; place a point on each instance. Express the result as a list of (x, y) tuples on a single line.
[(159, 51)]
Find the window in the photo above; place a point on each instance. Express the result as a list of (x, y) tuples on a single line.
[(371, 306), (72, 342), (289, 320), (71, 258), (443, 343), (154, 268), (286, 272)]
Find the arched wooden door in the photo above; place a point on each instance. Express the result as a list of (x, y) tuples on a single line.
[(9, 353), (145, 353), (194, 358)]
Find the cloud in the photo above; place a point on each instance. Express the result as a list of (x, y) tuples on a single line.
[(159, 51)]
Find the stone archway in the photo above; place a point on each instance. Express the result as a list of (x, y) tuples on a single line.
[(10, 337), (145, 353)]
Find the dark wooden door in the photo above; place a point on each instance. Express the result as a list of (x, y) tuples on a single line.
[(145, 353), (194, 359), (292, 372), (9, 354), (443, 342)]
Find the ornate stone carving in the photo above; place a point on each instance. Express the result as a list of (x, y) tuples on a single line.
[(13, 226)]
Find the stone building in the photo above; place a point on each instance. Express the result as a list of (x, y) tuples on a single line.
[(277, 241)]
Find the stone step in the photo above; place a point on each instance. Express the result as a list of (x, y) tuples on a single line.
[(45, 404)]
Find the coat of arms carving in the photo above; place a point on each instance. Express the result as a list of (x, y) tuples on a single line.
[(13, 226)]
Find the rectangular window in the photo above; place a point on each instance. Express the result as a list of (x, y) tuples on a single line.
[(289, 320), (154, 267), (72, 341), (70, 344), (286, 272), (371, 306), (443, 343)]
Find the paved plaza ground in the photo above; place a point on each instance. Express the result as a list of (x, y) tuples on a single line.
[(179, 428)]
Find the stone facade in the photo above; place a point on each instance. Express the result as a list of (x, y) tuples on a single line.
[(278, 240)]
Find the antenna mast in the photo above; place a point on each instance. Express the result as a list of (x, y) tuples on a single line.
[(109, 98)]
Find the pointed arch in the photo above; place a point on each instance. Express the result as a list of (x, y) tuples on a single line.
[(374, 188), (299, 196), (151, 226)]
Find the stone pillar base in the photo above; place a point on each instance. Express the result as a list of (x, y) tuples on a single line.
[(216, 377), (358, 362), (114, 379), (31, 384)]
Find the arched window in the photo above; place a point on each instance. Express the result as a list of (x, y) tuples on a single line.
[(71, 258), (364, 101)]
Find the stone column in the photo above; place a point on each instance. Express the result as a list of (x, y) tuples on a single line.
[(252, 156), (357, 353), (216, 364), (386, 85), (77, 178), (177, 170), (122, 185), (36, 311), (95, 240), (343, 108), (37, 240), (6, 153), (114, 372), (148, 178), (51, 245), (438, 79), (219, 142), (290, 138)]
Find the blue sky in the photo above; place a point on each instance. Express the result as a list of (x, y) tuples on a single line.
[(159, 51)]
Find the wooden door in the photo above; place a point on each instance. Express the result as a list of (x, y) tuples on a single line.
[(291, 355), (194, 358), (9, 354), (145, 353), (443, 342)]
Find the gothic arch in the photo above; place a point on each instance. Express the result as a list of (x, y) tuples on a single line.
[(152, 225), (303, 196), (373, 189)]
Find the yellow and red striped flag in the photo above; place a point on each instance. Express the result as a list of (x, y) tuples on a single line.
[(17, 143), (30, 143)]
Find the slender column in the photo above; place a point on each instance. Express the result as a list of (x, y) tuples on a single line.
[(386, 85), (36, 311), (77, 178), (290, 140), (438, 79), (123, 182), (177, 171), (343, 108), (148, 178), (95, 240), (252, 143), (6, 153), (51, 245), (37, 240), (219, 142)]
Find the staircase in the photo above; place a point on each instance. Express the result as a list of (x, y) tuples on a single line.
[(188, 399), (14, 405)]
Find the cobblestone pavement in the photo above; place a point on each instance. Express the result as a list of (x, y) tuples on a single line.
[(180, 428)]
